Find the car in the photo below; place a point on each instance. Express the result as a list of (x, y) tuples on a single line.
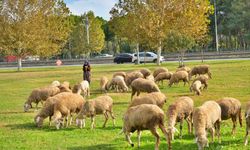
[(104, 56), (147, 57), (123, 57)]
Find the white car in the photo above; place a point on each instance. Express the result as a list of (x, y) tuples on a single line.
[(104, 56), (147, 57)]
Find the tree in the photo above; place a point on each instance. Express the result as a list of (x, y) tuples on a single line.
[(29, 27)]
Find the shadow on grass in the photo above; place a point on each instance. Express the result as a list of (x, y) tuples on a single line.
[(109, 128), (120, 103), (14, 112), (95, 147)]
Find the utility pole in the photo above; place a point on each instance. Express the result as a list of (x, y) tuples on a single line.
[(216, 29)]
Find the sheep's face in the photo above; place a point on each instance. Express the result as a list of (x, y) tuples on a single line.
[(26, 107), (38, 121), (202, 142)]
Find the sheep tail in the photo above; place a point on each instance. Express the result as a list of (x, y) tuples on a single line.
[(240, 117)]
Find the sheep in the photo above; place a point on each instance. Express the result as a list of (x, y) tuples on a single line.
[(83, 86), (66, 84), (230, 108), (196, 87), (65, 87), (247, 116), (203, 79), (177, 76), (150, 77), (146, 72), (143, 85), (103, 83), (118, 83), (99, 105), (144, 117), (130, 77), (39, 95), (162, 76), (181, 109), (206, 117), (55, 83), (123, 74), (202, 69), (159, 70), (156, 98), (183, 68), (66, 104)]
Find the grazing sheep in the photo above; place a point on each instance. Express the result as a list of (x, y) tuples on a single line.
[(123, 74), (99, 105), (130, 77), (55, 83), (159, 70), (203, 79), (202, 69), (163, 76), (156, 98), (143, 85), (118, 83), (66, 84), (146, 72), (39, 95), (83, 86), (151, 78), (181, 109), (65, 87), (196, 87), (247, 116), (230, 108), (206, 117), (66, 104), (183, 68), (103, 83), (177, 76), (144, 117)]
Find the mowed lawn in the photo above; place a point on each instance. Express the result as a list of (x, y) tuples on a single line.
[(18, 131)]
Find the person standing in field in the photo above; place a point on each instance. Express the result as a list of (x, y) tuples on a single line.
[(86, 71)]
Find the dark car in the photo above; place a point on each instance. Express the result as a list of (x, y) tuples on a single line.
[(123, 57)]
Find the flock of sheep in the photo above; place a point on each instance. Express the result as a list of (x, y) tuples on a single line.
[(144, 112)]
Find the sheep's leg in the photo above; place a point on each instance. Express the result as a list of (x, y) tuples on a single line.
[(161, 126), (71, 119), (181, 125), (218, 130), (92, 122), (189, 125), (156, 134), (113, 117), (50, 120), (138, 93), (133, 93), (106, 118), (246, 137), (234, 119), (67, 121), (212, 134), (128, 139), (139, 137)]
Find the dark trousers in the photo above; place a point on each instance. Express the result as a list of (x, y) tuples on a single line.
[(86, 76)]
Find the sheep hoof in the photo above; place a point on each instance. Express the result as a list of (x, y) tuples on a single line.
[(132, 145)]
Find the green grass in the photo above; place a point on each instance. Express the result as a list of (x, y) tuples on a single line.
[(17, 129)]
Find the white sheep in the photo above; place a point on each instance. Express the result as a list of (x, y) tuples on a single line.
[(196, 87), (82, 87)]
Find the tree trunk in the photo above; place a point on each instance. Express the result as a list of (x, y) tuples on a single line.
[(182, 56), (137, 51), (19, 64), (159, 54)]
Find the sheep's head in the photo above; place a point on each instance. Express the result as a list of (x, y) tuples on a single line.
[(88, 109), (64, 89), (38, 121), (26, 107), (76, 88), (201, 142), (171, 131)]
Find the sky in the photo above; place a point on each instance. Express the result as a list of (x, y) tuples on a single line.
[(99, 7)]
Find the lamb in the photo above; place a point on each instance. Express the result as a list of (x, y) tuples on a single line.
[(55, 83), (181, 109), (202, 69), (206, 117), (130, 77), (247, 116), (230, 108), (83, 86), (203, 79), (99, 105), (123, 74), (39, 95), (163, 76), (103, 83), (196, 87), (143, 85), (156, 98), (66, 104), (159, 70), (119, 84), (183, 68), (144, 117), (146, 72), (177, 76)]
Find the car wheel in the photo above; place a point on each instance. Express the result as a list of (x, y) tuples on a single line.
[(155, 60)]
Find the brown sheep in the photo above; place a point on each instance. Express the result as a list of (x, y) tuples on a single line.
[(230, 108), (178, 76), (143, 85), (144, 117), (203, 79), (130, 77), (159, 70), (156, 98), (181, 109), (118, 84), (206, 117), (198, 70), (99, 105), (183, 68), (103, 83), (247, 116), (163, 76), (123, 74), (146, 72)]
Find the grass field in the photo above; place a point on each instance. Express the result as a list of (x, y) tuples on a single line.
[(17, 129)]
